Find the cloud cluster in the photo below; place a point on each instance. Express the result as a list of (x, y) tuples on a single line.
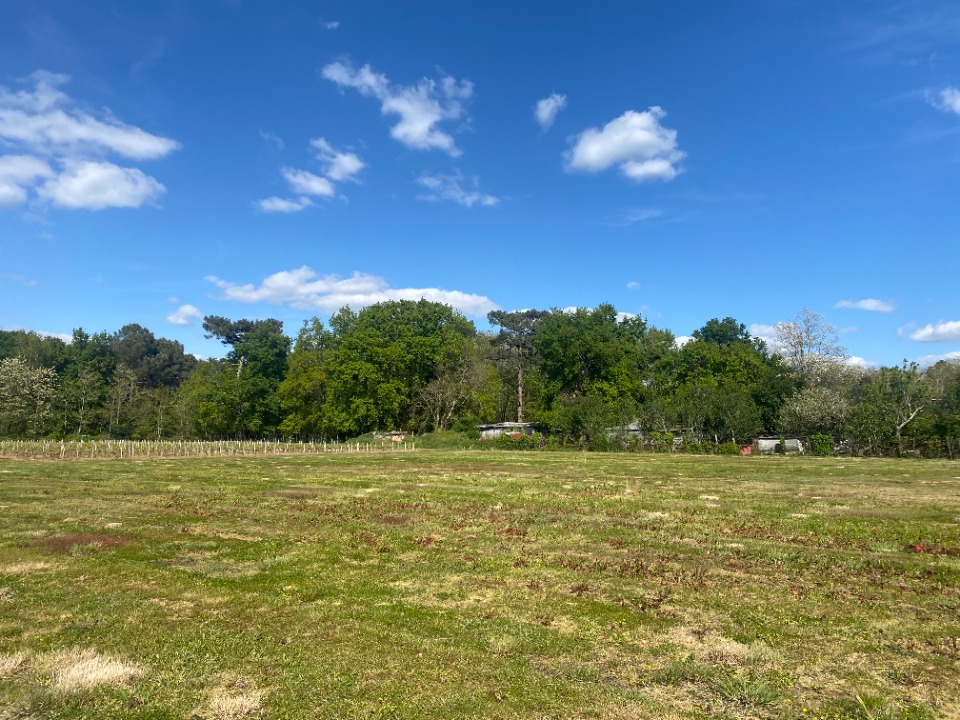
[(450, 187), (184, 315), (59, 151), (305, 290), (947, 100), (420, 108), (941, 332), (336, 166), (547, 108), (869, 304), (636, 142)]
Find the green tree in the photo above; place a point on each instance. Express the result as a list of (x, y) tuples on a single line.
[(516, 342)]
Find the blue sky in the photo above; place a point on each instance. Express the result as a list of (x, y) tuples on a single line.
[(161, 161)]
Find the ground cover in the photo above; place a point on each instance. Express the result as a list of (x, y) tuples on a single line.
[(445, 584)]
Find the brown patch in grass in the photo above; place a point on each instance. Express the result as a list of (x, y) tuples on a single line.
[(25, 568), (223, 705), (78, 670), (11, 664), (65, 543), (299, 493)]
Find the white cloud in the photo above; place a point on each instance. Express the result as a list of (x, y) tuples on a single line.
[(282, 205), (941, 332), (635, 141), (184, 315), (767, 333), (304, 289), (331, 24), (870, 304), (420, 107), (273, 139), (633, 285), (928, 360), (856, 361), (337, 165), (66, 337), (42, 124), (99, 185), (682, 340), (450, 187), (547, 109), (17, 173), (45, 121), (621, 316), (947, 100), (306, 183)]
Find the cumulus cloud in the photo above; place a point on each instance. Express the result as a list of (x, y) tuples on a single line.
[(633, 285), (947, 100), (66, 337), (17, 174), (420, 108), (98, 185), (306, 183), (636, 142), (941, 332), (331, 24), (46, 130), (45, 120), (450, 187), (767, 333), (547, 108), (855, 361), (928, 360), (337, 165), (276, 204), (870, 304), (305, 290), (184, 315), (682, 340)]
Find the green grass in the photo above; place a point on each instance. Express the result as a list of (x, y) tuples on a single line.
[(464, 584)]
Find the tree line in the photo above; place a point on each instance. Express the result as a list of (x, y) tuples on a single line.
[(421, 366)]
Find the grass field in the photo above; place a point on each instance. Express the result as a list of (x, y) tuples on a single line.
[(480, 584)]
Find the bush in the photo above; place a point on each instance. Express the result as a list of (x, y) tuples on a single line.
[(514, 442), (696, 448), (728, 448), (821, 445)]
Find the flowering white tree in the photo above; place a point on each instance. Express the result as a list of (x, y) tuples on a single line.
[(809, 343)]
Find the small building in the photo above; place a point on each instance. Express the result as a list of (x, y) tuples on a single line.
[(630, 431), (771, 445), (512, 429)]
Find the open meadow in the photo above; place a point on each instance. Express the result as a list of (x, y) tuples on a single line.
[(480, 584)]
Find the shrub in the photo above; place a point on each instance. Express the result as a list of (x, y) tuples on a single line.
[(821, 445), (728, 448)]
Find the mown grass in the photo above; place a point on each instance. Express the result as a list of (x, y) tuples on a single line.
[(444, 584)]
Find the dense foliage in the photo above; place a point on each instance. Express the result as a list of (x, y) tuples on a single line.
[(583, 376)]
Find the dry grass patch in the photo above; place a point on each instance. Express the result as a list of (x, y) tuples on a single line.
[(11, 664), (25, 568), (79, 670), (224, 706), (63, 544)]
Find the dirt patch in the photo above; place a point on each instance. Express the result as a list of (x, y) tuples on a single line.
[(63, 544)]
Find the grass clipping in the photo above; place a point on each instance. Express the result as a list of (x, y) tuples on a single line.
[(76, 671)]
